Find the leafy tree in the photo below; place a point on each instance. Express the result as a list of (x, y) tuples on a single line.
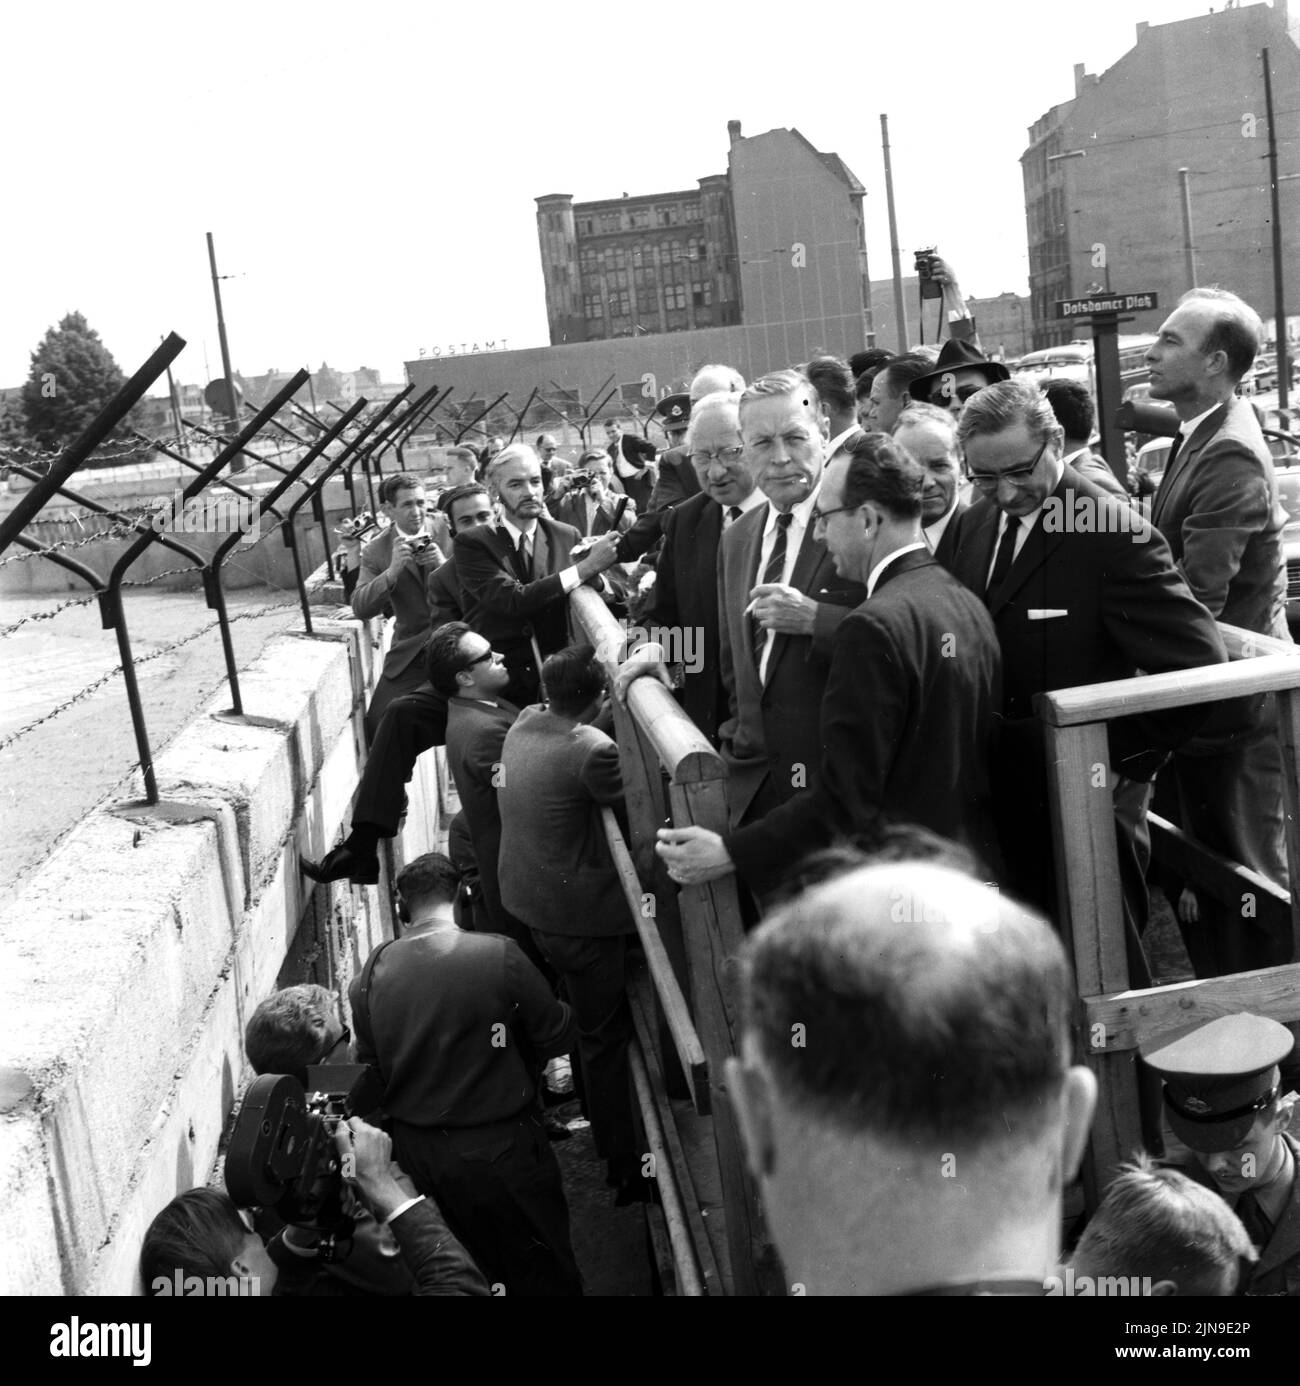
[(73, 376)]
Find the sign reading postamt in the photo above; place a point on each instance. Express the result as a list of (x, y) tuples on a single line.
[(1105, 303)]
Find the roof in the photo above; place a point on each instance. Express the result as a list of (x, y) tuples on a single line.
[(833, 163)]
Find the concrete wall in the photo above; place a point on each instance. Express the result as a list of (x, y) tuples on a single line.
[(134, 956)]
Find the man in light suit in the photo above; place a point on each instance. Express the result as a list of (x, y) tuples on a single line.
[(558, 876), (1072, 604), (780, 602), (591, 509), (1218, 508), (930, 436), (395, 578), (908, 719), (685, 593), (515, 576)]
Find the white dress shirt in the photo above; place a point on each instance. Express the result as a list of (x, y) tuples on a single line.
[(569, 579), (801, 515), (933, 533), (751, 502), (874, 576)]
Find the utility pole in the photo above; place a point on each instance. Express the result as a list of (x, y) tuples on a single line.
[(1279, 295), (237, 463), (900, 308), (1189, 246)]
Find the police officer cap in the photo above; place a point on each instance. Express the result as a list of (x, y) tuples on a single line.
[(1219, 1075), (673, 411)]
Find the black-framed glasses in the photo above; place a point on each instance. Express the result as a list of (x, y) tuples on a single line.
[(1017, 476), (818, 514), (479, 659), (724, 455)]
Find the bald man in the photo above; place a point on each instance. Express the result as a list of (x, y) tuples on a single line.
[(904, 1087)]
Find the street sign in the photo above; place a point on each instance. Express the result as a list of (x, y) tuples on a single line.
[(1105, 303)]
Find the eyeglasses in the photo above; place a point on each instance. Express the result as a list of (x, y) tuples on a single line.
[(724, 455), (818, 514), (943, 398), (481, 659), (1017, 476)]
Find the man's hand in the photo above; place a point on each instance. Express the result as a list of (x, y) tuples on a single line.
[(649, 659), (602, 554), (365, 1152), (693, 855), (777, 606), (429, 559)]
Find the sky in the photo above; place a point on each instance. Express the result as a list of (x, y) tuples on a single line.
[(368, 171)]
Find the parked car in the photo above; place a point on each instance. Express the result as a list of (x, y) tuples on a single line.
[(1288, 490)]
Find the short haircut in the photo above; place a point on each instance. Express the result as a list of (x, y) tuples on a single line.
[(1004, 405), (391, 486), (543, 438), (720, 401), (831, 379), (430, 877), (1072, 405), (442, 657), (906, 1036), (779, 384), (516, 452), (882, 472), (889, 843), (712, 379), (1157, 1222), (1237, 330), (902, 370), (593, 455), (198, 1233), (287, 1031), (918, 413), (862, 383), (460, 493), (870, 360), (573, 678), (463, 454)]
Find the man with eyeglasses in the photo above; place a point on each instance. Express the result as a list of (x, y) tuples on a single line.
[(960, 373), (1073, 603)]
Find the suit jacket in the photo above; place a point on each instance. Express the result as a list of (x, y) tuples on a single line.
[(677, 483), (408, 598), (951, 536), (555, 866), (770, 740), (907, 726), (1096, 469), (571, 509), (507, 611), (476, 733), (444, 596), (1081, 606), (1217, 505), (685, 599), (1277, 1272)]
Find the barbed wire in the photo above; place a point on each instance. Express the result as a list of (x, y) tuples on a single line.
[(44, 460), (100, 682), (47, 615)]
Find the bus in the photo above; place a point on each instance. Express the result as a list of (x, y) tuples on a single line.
[(1073, 361)]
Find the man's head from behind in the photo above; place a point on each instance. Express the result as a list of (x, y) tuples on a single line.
[(425, 884), (714, 379), (1157, 1224), (292, 1029), (574, 679), (200, 1233), (1074, 410), (904, 1086), (834, 385)]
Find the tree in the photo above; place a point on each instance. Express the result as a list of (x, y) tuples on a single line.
[(73, 376)]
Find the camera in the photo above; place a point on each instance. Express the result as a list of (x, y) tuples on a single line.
[(581, 477), (282, 1154), (417, 543), (925, 266), (356, 526)]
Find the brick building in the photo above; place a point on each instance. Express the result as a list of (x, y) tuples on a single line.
[(1103, 198)]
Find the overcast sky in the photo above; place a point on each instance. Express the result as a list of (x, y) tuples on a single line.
[(368, 170)]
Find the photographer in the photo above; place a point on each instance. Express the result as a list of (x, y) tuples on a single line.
[(590, 504), (201, 1241)]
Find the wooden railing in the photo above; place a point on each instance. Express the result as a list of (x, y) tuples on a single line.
[(1113, 1020), (685, 1011)]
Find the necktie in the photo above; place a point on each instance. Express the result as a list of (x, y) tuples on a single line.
[(1002, 563), (525, 558), (1258, 1228), (733, 513), (774, 572)]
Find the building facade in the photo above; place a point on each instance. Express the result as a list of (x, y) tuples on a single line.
[(1104, 199)]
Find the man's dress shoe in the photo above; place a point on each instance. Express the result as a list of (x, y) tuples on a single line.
[(341, 862)]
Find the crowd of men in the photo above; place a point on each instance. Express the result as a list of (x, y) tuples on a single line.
[(884, 562)]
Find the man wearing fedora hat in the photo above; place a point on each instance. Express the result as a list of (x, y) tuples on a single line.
[(959, 372), (1224, 1099)]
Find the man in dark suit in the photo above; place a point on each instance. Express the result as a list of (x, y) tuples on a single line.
[(685, 593), (907, 721), (1218, 507), (633, 460), (558, 876), (591, 509), (396, 569), (780, 601), (514, 576), (930, 436), (1081, 590)]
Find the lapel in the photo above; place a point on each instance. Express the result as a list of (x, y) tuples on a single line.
[(746, 559), (1285, 1241), (541, 551), (507, 554), (1037, 548), (806, 575), (1187, 453), (978, 536)]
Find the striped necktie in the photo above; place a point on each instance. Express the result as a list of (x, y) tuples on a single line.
[(773, 572)]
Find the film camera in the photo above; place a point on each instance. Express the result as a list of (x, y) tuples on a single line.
[(582, 476), (417, 543), (282, 1154), (356, 526), (927, 262)]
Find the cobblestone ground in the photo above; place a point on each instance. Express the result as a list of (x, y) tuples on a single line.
[(55, 774)]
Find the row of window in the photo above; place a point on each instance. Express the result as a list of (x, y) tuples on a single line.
[(639, 218), (675, 296), (641, 254)]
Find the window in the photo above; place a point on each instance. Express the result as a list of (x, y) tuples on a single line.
[(592, 307), (587, 226), (679, 252), (692, 212), (675, 296), (702, 294), (617, 256), (641, 217), (669, 216)]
